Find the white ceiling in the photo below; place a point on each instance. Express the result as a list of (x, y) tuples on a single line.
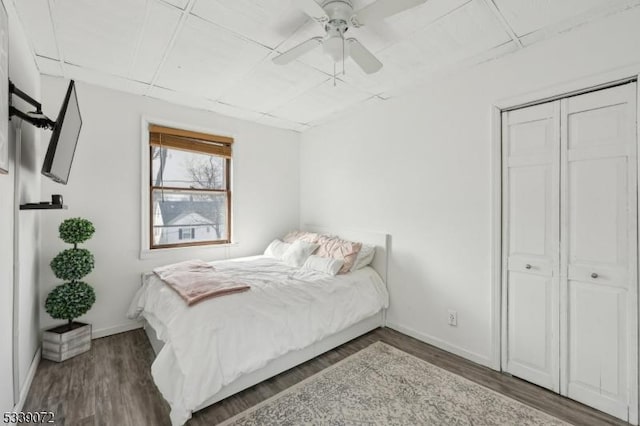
[(216, 54)]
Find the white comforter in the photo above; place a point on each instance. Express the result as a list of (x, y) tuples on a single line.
[(211, 344)]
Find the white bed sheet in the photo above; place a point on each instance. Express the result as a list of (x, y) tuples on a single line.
[(211, 344)]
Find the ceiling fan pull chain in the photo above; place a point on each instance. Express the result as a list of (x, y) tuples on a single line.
[(344, 71), (334, 75)]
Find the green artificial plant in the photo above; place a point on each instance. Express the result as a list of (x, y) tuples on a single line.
[(74, 298)]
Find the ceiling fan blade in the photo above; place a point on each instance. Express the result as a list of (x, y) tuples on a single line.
[(384, 8), (313, 9), (365, 59), (297, 51)]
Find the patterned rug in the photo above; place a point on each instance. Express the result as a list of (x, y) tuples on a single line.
[(381, 385)]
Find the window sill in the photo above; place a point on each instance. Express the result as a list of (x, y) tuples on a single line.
[(168, 253)]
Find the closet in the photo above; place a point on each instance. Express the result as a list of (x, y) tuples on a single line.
[(570, 247)]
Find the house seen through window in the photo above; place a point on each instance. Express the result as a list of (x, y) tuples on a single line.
[(189, 188)]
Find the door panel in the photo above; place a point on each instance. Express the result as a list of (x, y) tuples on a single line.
[(597, 211), (529, 137), (531, 220), (530, 198), (598, 346), (598, 252), (600, 126), (531, 299)]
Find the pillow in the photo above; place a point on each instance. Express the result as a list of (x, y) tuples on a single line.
[(328, 265), (310, 237), (364, 258), (298, 252), (337, 248), (276, 249)]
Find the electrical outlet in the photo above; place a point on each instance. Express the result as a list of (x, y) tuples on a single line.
[(453, 318)]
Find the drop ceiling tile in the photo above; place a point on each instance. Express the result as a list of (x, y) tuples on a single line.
[(270, 85), (414, 56), (194, 101), (309, 30), (177, 3), (443, 72), (268, 22), (404, 24), (36, 19), (105, 80), (320, 101), (231, 111), (207, 59), (100, 34), (179, 98), (49, 66), (281, 123), (392, 75), (161, 24), (461, 34), (526, 16), (578, 20)]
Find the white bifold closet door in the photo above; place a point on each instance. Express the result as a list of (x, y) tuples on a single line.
[(531, 165), (570, 248)]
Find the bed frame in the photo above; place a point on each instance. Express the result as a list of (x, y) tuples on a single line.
[(294, 358)]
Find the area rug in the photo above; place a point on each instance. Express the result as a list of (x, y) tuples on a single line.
[(382, 385)]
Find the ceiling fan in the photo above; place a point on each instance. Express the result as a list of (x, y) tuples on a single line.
[(337, 16)]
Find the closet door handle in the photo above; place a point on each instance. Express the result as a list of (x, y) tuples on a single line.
[(594, 275), (527, 266)]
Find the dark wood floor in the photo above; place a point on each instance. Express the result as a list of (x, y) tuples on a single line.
[(112, 384)]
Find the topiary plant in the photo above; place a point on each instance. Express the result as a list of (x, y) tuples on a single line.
[(75, 231), (73, 298), (70, 300)]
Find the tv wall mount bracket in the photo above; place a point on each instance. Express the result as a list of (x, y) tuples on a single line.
[(37, 118)]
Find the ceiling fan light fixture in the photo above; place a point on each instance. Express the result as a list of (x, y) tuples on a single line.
[(336, 48)]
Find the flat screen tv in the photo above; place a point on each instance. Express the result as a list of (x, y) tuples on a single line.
[(62, 145)]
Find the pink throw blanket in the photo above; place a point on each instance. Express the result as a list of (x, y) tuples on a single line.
[(195, 280)]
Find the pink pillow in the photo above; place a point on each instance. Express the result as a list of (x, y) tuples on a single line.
[(337, 248)]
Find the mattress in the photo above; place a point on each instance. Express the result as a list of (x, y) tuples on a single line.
[(212, 343)]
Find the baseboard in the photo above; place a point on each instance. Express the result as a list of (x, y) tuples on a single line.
[(108, 331), (471, 356), (27, 383)]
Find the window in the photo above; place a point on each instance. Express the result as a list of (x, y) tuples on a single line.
[(189, 188), (186, 233)]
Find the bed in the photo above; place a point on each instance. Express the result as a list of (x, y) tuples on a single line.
[(221, 346)]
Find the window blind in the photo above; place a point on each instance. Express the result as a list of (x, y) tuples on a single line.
[(186, 140)]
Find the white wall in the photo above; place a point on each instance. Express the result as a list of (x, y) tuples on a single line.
[(104, 187), (419, 168), (24, 74)]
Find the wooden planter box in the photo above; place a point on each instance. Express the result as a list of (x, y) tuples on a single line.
[(66, 341)]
